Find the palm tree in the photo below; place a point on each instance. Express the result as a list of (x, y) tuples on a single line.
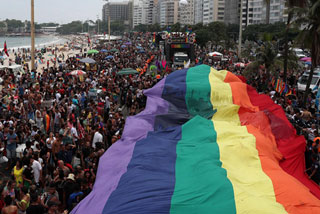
[(267, 55), (290, 4), (309, 18)]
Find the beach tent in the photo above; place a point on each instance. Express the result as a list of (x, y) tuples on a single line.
[(240, 64), (206, 143), (127, 71), (88, 60), (215, 54)]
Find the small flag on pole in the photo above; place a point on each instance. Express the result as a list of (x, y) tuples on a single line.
[(5, 48)]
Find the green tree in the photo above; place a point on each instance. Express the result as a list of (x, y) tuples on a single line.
[(233, 31), (141, 28), (309, 18), (2, 25), (154, 28), (202, 36), (218, 32), (14, 24), (176, 27), (117, 27), (72, 28), (267, 55), (290, 4)]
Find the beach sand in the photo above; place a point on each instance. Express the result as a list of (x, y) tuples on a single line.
[(63, 49)]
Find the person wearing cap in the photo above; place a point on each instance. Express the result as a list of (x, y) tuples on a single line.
[(69, 187)]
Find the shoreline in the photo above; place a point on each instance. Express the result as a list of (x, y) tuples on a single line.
[(62, 41), (56, 40)]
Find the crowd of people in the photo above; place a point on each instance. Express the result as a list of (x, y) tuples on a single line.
[(54, 125)]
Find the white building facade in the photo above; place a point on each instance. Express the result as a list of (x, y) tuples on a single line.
[(186, 12), (168, 12), (254, 11), (143, 12)]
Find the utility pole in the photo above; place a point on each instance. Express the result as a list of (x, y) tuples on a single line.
[(109, 28), (240, 30), (32, 36), (98, 24)]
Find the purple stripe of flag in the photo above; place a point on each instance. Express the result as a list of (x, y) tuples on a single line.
[(113, 164)]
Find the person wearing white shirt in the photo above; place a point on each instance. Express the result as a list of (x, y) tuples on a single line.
[(37, 169), (74, 133), (97, 138), (50, 140)]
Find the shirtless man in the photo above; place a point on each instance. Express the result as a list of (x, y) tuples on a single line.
[(65, 169), (9, 208)]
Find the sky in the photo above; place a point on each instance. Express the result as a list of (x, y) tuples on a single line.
[(59, 11)]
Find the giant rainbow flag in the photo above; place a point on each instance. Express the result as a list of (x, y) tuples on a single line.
[(206, 143)]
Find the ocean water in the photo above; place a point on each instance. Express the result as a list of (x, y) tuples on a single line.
[(25, 42)]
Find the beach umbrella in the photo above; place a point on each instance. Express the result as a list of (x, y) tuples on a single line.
[(153, 67), (93, 51), (104, 50), (88, 60), (215, 53), (77, 73), (306, 59), (127, 71), (109, 57), (114, 50), (141, 51), (128, 43), (123, 46), (139, 47)]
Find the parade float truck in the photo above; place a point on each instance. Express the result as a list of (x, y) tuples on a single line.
[(179, 48)]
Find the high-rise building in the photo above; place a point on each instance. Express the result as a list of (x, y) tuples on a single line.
[(208, 14), (118, 11), (231, 12), (219, 10), (168, 12), (207, 11), (198, 11), (186, 12), (254, 11), (143, 12)]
